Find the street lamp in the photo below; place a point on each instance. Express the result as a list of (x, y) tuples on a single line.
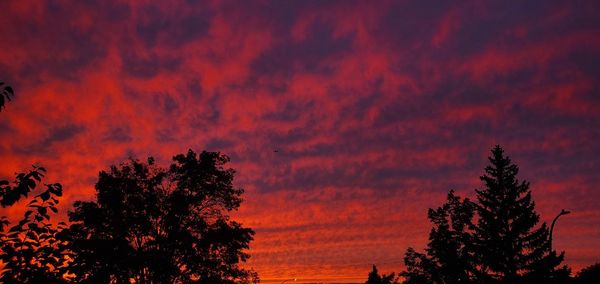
[(562, 212)]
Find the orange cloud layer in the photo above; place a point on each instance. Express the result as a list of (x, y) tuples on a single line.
[(376, 110)]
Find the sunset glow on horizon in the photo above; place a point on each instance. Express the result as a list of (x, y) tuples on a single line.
[(344, 120)]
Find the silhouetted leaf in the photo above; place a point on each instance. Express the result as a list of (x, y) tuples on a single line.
[(45, 195), (32, 235), (31, 184), (15, 228), (13, 235)]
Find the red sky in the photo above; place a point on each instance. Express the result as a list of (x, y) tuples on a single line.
[(377, 109)]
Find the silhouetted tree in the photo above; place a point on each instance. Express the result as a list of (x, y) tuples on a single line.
[(156, 225), (375, 278), (449, 255), (509, 246), (588, 275), (22, 186), (502, 245), (32, 250), (419, 268), (6, 92)]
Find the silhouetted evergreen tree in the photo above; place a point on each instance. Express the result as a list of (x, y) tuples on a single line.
[(588, 275), (158, 225), (509, 246), (375, 278), (449, 255), (502, 245)]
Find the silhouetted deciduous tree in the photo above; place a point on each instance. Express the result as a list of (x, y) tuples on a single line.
[(502, 246), (449, 256), (22, 186), (32, 250), (375, 278), (156, 225)]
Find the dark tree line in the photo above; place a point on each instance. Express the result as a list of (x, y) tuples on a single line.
[(588, 275), (148, 224), (496, 238)]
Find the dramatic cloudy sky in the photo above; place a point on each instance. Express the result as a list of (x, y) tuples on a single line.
[(376, 109)]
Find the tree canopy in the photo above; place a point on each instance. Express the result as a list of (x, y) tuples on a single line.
[(157, 225), (448, 256)]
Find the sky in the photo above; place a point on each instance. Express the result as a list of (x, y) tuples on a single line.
[(376, 109)]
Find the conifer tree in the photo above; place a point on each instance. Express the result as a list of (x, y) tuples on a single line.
[(374, 277), (510, 246), (494, 239)]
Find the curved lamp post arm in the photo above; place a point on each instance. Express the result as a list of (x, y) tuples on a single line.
[(562, 212)]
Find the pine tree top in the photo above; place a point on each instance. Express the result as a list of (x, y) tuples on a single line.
[(506, 229)]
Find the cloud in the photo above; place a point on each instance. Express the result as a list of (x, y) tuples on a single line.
[(376, 110), (310, 55)]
